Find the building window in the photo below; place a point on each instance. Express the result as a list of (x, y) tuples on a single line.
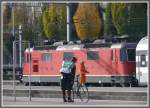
[(92, 55), (131, 54), (143, 61), (68, 56), (46, 57)]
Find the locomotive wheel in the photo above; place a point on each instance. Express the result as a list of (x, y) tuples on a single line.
[(134, 83), (113, 84), (118, 85), (43, 83), (126, 85), (26, 84), (37, 84)]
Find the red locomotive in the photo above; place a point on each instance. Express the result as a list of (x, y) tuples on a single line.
[(106, 62)]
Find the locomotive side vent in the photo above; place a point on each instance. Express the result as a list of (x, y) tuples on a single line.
[(35, 68)]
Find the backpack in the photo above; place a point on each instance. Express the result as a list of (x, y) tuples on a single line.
[(66, 67)]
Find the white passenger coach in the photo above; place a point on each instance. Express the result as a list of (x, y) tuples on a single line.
[(142, 73)]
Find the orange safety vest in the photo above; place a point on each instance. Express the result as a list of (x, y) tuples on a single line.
[(82, 74)]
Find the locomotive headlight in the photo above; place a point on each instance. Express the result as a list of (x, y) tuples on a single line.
[(134, 75), (99, 81)]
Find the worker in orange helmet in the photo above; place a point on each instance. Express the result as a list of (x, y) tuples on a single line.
[(83, 72)]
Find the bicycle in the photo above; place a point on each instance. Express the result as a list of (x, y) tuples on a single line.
[(81, 91)]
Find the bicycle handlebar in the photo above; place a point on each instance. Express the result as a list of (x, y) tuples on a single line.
[(77, 75)]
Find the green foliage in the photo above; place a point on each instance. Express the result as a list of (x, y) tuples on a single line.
[(20, 15), (88, 22), (137, 20), (27, 32), (130, 19), (54, 21), (109, 28), (20, 18), (120, 17), (72, 13), (6, 16)]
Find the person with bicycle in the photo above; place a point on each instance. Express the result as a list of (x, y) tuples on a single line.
[(80, 89), (67, 78), (83, 72)]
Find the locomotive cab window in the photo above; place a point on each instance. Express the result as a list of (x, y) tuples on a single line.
[(131, 54), (143, 61), (92, 55), (46, 57), (68, 56), (123, 55)]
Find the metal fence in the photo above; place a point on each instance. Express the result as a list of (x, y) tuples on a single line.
[(18, 59)]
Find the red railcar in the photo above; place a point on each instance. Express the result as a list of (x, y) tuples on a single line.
[(107, 63)]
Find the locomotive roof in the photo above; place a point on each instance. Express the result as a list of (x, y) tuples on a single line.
[(82, 46), (123, 45), (97, 45), (72, 46), (46, 47)]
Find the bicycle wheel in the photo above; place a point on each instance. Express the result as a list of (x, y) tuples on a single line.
[(83, 93), (72, 94)]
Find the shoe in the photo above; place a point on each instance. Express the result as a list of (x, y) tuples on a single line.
[(65, 100), (70, 100)]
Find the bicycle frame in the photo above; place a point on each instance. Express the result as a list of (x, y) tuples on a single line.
[(80, 90)]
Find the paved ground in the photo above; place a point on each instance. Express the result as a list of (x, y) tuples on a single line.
[(101, 93), (38, 102), (57, 88), (47, 102)]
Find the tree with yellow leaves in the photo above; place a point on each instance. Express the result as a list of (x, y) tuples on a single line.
[(88, 22), (120, 16)]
